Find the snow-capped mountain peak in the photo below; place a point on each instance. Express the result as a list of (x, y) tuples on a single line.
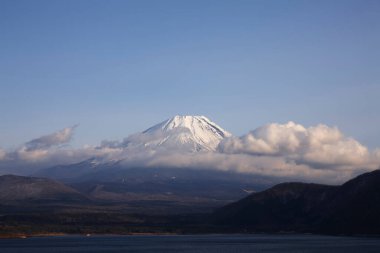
[(180, 133)]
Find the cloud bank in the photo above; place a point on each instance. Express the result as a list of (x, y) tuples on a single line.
[(288, 151), (48, 150), (318, 146)]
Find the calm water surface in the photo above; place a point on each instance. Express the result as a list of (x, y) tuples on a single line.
[(193, 243)]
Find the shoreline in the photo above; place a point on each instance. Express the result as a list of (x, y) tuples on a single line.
[(26, 236)]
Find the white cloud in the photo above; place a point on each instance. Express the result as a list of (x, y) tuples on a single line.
[(317, 146), (45, 151), (2, 154), (58, 138)]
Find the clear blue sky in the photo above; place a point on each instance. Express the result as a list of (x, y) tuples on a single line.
[(117, 67)]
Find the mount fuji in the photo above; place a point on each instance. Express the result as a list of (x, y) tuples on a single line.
[(107, 179), (180, 133)]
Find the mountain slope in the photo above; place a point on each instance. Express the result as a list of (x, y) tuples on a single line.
[(79, 171), (20, 189), (286, 206), (353, 207), (180, 133)]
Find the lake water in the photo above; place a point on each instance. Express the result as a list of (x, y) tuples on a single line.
[(192, 243)]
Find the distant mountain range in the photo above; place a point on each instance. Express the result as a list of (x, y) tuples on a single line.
[(38, 204)]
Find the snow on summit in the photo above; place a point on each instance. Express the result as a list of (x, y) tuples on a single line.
[(180, 133)]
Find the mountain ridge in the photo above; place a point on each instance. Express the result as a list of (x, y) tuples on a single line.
[(349, 208)]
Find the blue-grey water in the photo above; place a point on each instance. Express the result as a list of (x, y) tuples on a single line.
[(192, 243)]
